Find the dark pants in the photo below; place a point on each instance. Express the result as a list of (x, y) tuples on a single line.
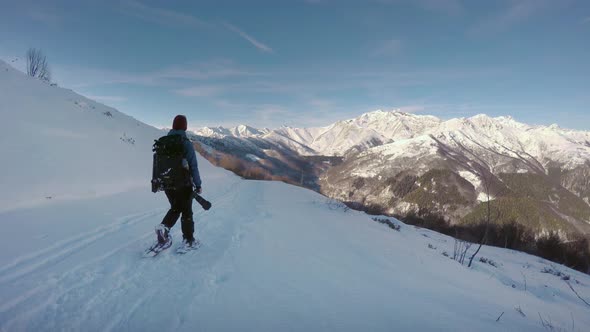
[(181, 202)]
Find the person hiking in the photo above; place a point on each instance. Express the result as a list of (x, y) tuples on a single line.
[(180, 195)]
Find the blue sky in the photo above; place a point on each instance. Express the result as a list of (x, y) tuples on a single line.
[(309, 63)]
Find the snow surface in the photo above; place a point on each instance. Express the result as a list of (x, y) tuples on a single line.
[(58, 145), (252, 157), (471, 177), (274, 258)]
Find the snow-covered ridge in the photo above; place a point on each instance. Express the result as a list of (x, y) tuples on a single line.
[(241, 131), (502, 134)]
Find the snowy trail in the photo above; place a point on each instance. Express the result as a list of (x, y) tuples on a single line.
[(61, 250), (99, 281), (274, 257)]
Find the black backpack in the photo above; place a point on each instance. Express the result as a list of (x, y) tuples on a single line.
[(168, 171)]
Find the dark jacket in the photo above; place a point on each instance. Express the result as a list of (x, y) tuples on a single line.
[(190, 156)]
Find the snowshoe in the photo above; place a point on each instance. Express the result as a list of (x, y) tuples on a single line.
[(188, 246), (164, 241)]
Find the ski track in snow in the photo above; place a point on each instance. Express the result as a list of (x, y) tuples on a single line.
[(102, 281), (31, 262), (176, 265)]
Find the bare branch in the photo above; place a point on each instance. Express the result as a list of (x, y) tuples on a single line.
[(486, 183), (37, 65), (578, 295)]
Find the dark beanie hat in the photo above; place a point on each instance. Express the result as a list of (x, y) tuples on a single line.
[(179, 122)]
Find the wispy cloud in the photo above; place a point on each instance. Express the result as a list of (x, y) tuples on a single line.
[(259, 45), (452, 7), (44, 15), (321, 103), (517, 12), (169, 17), (215, 69), (586, 20), (256, 114), (159, 15), (270, 114), (446, 6), (48, 13), (296, 84), (420, 77), (388, 47), (76, 76), (82, 77), (200, 91), (260, 115)]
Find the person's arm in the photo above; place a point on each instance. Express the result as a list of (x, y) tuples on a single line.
[(191, 157)]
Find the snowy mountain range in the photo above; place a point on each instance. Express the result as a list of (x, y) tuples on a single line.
[(504, 135), (386, 157), (274, 256), (238, 131)]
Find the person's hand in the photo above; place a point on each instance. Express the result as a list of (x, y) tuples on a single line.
[(198, 190)]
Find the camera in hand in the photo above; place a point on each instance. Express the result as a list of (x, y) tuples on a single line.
[(204, 203)]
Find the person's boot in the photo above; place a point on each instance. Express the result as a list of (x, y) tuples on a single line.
[(163, 235), (188, 245)]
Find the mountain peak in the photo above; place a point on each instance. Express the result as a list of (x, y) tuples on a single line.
[(380, 112), (245, 131)]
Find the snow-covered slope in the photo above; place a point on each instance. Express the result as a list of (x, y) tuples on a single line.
[(371, 129), (57, 144), (505, 136), (476, 148), (274, 257)]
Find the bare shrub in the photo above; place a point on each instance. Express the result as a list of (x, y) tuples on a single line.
[(460, 250), (519, 310), (572, 252), (37, 65), (488, 216), (388, 222), (488, 261)]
